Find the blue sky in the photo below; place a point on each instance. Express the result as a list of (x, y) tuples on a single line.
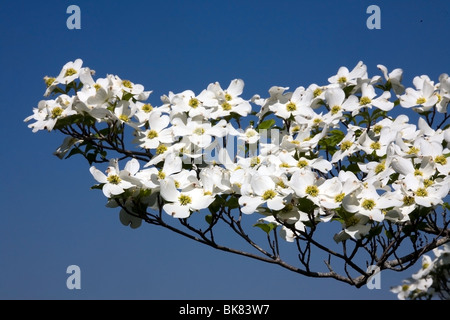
[(50, 217)]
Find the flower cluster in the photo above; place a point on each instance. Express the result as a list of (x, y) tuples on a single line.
[(433, 278), (317, 154)]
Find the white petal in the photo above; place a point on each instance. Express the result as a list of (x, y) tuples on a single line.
[(249, 204), (168, 190), (276, 203), (98, 175), (236, 87), (176, 210), (132, 166)]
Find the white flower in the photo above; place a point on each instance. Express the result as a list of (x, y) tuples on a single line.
[(198, 132), (156, 133), (337, 102), (70, 72), (422, 96), (306, 184), (188, 102), (290, 164), (427, 267), (297, 104), (345, 77), (49, 112), (354, 226), (444, 93), (115, 182), (263, 191), (124, 112), (182, 203), (346, 147), (424, 192), (229, 100), (368, 98), (394, 78), (369, 203)]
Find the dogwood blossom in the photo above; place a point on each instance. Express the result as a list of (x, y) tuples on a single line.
[(329, 153)]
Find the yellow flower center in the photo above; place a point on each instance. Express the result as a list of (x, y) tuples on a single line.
[(408, 200), (421, 192), (335, 109), (291, 107), (161, 149), (421, 100), (345, 145), (375, 145), (339, 197), (152, 134), (193, 103), (226, 106), (342, 80), (114, 179), (380, 167), (56, 112), (70, 72), (413, 150), (147, 108), (428, 182), (228, 97), (313, 191), (269, 194), (184, 200), (161, 175), (364, 101), (368, 204), (254, 161), (441, 160), (127, 84), (284, 165), (377, 128), (317, 92), (199, 131), (302, 163), (281, 184), (124, 118), (48, 81)]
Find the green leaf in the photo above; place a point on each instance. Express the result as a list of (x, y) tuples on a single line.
[(266, 227), (306, 205), (389, 234), (348, 90), (232, 203), (91, 157), (98, 186), (375, 231), (267, 124), (73, 152), (215, 206), (209, 218)]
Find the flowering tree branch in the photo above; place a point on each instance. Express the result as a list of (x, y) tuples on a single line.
[(326, 162)]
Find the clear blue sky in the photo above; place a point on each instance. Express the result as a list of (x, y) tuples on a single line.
[(50, 217)]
